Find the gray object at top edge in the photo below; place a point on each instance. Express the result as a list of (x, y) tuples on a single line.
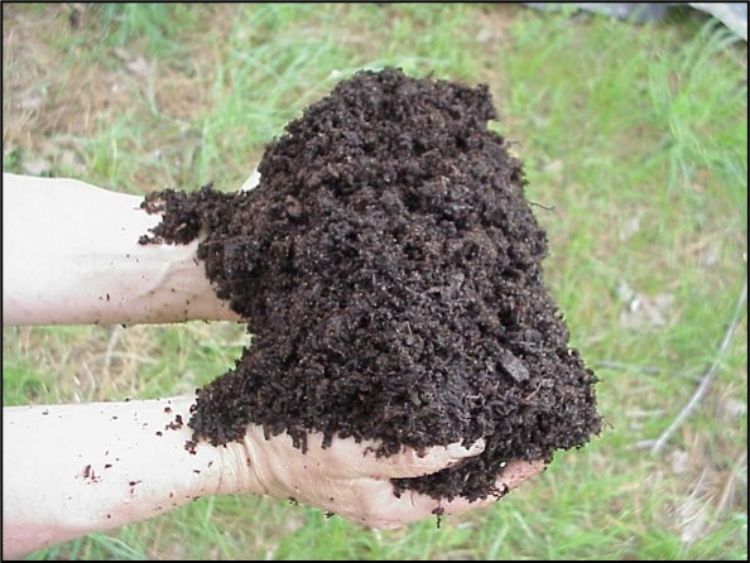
[(731, 14)]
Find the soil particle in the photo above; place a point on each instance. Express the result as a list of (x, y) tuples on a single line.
[(176, 424), (90, 474), (389, 267), (438, 512)]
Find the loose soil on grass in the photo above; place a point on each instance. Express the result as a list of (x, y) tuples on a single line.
[(389, 268)]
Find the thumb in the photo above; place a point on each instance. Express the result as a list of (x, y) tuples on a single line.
[(408, 462), (252, 181), (345, 458)]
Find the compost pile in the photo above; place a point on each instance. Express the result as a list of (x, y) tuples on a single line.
[(389, 268)]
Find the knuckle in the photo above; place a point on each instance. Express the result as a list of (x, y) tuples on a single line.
[(414, 463), (408, 461), (371, 511), (381, 522), (375, 513)]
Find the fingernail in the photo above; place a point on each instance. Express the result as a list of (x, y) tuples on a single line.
[(458, 451)]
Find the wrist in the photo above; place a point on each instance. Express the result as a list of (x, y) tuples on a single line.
[(72, 256), (194, 469), (239, 465), (77, 469)]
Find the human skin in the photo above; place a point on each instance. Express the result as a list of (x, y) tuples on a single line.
[(72, 257), (69, 470)]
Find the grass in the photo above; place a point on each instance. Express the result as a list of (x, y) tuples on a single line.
[(635, 136)]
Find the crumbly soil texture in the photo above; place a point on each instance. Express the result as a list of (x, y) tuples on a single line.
[(389, 268)]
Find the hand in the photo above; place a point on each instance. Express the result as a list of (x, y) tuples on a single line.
[(75, 469), (72, 257), (115, 463), (346, 480)]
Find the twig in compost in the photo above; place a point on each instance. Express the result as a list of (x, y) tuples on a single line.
[(707, 377)]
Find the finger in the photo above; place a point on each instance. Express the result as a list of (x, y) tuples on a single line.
[(252, 181), (389, 512), (346, 458), (518, 471), (515, 473), (410, 463)]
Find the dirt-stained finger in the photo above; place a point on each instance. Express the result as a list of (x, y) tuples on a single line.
[(392, 512), (252, 181), (348, 458), (411, 463)]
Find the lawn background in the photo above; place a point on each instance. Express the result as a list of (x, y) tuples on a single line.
[(634, 140)]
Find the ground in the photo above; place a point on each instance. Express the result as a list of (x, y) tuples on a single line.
[(635, 143)]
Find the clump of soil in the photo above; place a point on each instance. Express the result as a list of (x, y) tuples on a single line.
[(389, 268)]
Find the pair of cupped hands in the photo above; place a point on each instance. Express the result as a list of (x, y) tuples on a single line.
[(72, 257)]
